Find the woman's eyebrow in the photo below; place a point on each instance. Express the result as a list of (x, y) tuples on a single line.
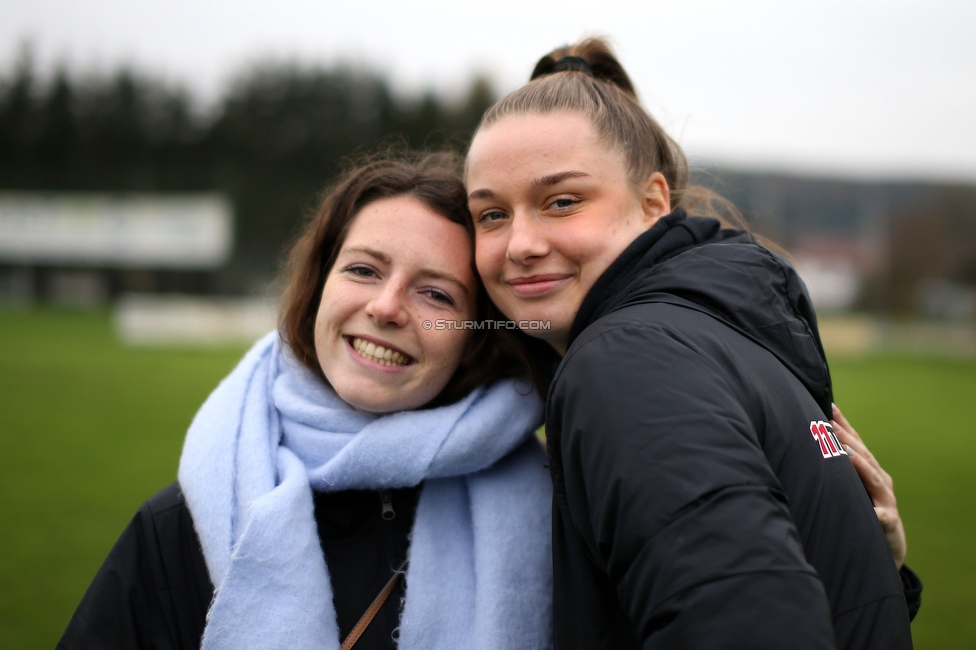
[(372, 252), (558, 177), (431, 273), (483, 193), (543, 181)]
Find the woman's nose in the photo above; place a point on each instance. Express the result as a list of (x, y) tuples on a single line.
[(527, 240), (388, 306)]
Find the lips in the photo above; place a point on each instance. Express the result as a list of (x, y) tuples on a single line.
[(383, 354), (530, 286)]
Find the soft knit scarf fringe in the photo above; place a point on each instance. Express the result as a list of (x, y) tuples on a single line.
[(480, 572)]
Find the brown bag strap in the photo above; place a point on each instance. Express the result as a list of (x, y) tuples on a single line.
[(367, 618)]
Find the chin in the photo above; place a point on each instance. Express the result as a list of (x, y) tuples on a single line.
[(554, 313), (370, 406), (369, 401), (379, 401)]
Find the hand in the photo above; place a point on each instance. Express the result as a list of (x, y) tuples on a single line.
[(878, 483)]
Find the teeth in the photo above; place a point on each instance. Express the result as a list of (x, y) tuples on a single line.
[(378, 353)]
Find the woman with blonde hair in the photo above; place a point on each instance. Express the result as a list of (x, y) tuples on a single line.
[(702, 495)]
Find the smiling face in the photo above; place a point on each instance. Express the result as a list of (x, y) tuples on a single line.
[(553, 208), (401, 264)]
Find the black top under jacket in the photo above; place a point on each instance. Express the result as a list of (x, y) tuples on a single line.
[(153, 590), (693, 506)]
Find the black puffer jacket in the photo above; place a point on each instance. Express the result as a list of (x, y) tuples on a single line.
[(154, 590), (698, 501)]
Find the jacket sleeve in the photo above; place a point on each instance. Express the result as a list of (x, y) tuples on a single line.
[(668, 487), (913, 590), (152, 591)]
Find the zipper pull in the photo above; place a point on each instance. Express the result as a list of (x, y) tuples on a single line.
[(387, 501)]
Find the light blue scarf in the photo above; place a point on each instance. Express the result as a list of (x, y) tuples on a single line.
[(480, 571)]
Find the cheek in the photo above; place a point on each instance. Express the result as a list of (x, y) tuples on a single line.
[(335, 308), (578, 245), (322, 339), (488, 257), (341, 299), (595, 243), (322, 317)]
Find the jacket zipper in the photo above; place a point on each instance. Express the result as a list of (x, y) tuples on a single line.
[(387, 501)]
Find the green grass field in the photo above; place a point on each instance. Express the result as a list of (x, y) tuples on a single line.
[(90, 428)]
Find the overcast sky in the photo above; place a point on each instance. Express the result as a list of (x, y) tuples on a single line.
[(872, 88)]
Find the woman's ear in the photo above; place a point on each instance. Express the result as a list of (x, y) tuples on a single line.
[(656, 198)]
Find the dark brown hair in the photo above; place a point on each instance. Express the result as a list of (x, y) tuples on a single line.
[(607, 97), (434, 180)]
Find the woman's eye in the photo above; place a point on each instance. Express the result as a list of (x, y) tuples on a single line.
[(563, 203), (361, 271), (491, 215), (439, 296)]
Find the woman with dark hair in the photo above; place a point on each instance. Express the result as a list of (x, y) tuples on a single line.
[(703, 497), (361, 479)]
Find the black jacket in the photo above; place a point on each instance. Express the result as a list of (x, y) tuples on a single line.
[(693, 506), (153, 590)]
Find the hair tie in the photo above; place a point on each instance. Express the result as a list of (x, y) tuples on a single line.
[(573, 64)]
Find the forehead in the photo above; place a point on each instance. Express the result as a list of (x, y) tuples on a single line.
[(538, 144), (409, 232)]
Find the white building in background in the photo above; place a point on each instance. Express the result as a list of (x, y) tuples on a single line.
[(85, 248), (833, 270)]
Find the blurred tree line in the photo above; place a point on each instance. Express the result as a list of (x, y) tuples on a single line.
[(281, 131), (272, 142), (932, 256)]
